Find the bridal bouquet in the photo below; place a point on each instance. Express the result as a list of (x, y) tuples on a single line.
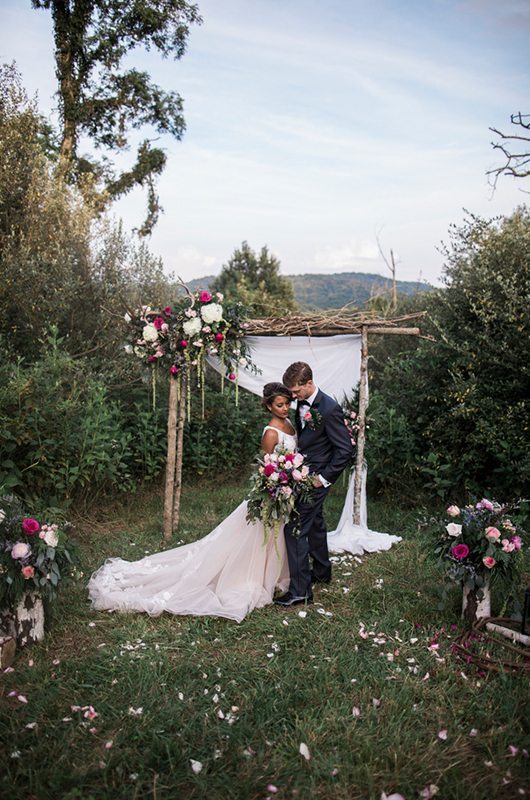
[(34, 556), (478, 541), (281, 479)]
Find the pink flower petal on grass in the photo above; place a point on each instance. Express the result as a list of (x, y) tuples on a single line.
[(443, 735), (356, 712), (304, 751), (272, 788), (196, 766), (512, 751), (429, 792), (22, 698)]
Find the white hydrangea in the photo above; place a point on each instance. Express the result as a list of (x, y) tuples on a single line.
[(192, 326), (150, 333), (212, 312)]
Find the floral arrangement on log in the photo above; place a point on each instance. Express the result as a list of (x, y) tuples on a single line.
[(34, 556), (181, 336), (479, 542)]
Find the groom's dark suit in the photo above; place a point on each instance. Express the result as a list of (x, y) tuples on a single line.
[(327, 448)]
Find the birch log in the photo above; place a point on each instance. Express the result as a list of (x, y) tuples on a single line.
[(180, 453), (363, 402), (171, 454)]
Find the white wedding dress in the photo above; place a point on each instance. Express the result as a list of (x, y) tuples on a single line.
[(225, 574)]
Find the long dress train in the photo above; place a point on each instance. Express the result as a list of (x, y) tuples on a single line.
[(225, 574)]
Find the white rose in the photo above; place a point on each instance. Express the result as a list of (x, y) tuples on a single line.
[(212, 312), (453, 529), (150, 333), (20, 550), (51, 538), (192, 326)]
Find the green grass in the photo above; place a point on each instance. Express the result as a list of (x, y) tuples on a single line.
[(278, 679)]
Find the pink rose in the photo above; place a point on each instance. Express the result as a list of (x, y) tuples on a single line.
[(231, 376), (28, 572), (164, 327), (460, 551), (20, 550), (307, 416), (289, 457), (158, 322), (298, 459), (205, 297), (507, 546), (287, 491), (493, 534), (487, 504), (152, 358), (453, 511), (30, 526), (269, 470), (297, 475), (304, 471), (489, 562), (183, 343), (173, 369), (168, 311), (517, 542), (219, 337)]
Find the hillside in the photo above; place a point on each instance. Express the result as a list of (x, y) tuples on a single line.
[(337, 289)]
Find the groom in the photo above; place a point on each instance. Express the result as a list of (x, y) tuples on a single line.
[(324, 441)]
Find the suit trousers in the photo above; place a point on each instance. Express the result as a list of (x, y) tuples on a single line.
[(311, 541)]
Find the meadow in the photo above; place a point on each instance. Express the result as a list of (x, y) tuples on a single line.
[(356, 696)]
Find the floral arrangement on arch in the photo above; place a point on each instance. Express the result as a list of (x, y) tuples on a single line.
[(280, 480), (181, 336), (34, 556), (479, 541)]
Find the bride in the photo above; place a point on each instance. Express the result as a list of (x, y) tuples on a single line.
[(225, 574)]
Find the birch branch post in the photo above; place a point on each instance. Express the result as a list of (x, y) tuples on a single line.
[(363, 402), (180, 452), (171, 456)]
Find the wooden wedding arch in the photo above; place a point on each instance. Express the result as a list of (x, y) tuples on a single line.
[(311, 325)]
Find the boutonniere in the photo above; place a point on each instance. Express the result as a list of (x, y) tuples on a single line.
[(312, 418)]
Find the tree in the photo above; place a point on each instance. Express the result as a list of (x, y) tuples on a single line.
[(517, 164), (255, 281), (104, 101), (453, 415)]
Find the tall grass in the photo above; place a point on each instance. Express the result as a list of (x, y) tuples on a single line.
[(240, 699)]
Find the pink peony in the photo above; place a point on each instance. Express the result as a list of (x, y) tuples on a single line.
[(460, 551), (517, 542), (28, 572), (205, 297), (489, 562), (493, 534), (20, 550), (269, 470), (30, 526), (231, 376), (453, 511), (487, 504), (173, 369), (507, 546)]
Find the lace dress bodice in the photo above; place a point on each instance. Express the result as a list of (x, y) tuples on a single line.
[(286, 441)]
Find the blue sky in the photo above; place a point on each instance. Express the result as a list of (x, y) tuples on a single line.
[(315, 128)]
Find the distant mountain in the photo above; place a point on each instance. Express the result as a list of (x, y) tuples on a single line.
[(322, 291)]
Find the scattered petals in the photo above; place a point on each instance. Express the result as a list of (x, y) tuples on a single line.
[(393, 796), (356, 712), (272, 788), (135, 712), (22, 698), (304, 751), (512, 751), (302, 614), (15, 754), (90, 713), (473, 732), (429, 791), (376, 702), (31, 725), (443, 735), (196, 766), (108, 744)]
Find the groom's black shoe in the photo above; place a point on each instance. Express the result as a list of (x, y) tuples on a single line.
[(314, 579), (289, 599)]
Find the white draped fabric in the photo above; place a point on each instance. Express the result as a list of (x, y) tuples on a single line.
[(336, 364)]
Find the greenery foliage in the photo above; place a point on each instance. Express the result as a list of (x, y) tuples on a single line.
[(451, 416)]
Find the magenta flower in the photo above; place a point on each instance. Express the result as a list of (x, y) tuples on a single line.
[(183, 343), (460, 551), (151, 359), (205, 297), (269, 470), (282, 477), (517, 542), (158, 322), (173, 369), (30, 526), (487, 504), (231, 377), (219, 337), (168, 310)]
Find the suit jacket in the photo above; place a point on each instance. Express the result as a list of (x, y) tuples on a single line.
[(327, 446)]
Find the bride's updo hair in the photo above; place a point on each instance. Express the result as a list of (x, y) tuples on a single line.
[(272, 390)]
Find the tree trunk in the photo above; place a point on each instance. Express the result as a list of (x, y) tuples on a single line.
[(26, 622), (475, 607)]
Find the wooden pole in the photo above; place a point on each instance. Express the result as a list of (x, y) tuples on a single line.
[(180, 453), (363, 402), (170, 462)]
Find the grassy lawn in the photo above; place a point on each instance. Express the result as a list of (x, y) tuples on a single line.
[(206, 708)]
